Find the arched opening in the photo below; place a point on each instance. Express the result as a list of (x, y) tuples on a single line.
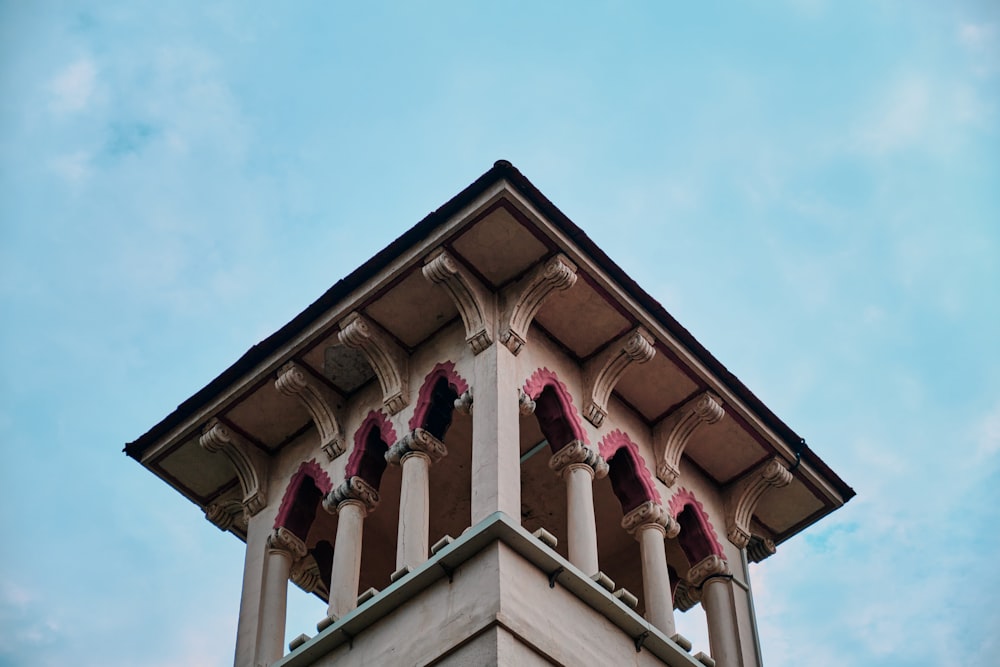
[(442, 407)]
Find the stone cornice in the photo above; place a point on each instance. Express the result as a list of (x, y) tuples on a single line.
[(651, 513), (388, 360), (578, 453), (475, 303), (250, 465), (354, 488), (671, 435), (321, 402), (602, 373), (525, 298), (417, 440), (741, 497)]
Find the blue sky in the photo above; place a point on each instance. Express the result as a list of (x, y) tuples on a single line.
[(811, 187)]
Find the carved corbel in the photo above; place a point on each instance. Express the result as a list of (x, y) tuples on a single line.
[(602, 373), (759, 548), (354, 488), (743, 494), (385, 356), (224, 514), (671, 435), (475, 303), (525, 405), (420, 441), (306, 575), (465, 402), (686, 596), (250, 465), (320, 400), (558, 273)]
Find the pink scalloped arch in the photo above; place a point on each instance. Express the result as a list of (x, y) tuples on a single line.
[(377, 420), (442, 370), (684, 498), (536, 384), (309, 469), (618, 442)]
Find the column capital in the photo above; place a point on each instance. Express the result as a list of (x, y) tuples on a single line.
[(651, 514), (286, 541), (708, 567), (355, 489), (578, 454), (417, 441)]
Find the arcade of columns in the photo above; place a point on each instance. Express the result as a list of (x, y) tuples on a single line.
[(496, 335)]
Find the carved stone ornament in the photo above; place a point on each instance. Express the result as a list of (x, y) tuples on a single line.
[(759, 548), (387, 359), (354, 488), (558, 273), (305, 574), (321, 401), (464, 402), (651, 513), (744, 494), (710, 566), (578, 453), (417, 440), (250, 465), (525, 405), (685, 596), (602, 373), (285, 540), (224, 514), (475, 303), (671, 435)]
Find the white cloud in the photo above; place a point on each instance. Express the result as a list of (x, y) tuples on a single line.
[(988, 435), (72, 89), (976, 35), (899, 119), (72, 167)]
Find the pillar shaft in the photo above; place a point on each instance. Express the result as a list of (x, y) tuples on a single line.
[(274, 601), (346, 572), (581, 528), (656, 578), (414, 511), (723, 634), (496, 455), (253, 577), (283, 548)]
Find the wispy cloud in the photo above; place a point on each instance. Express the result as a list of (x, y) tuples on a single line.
[(73, 88)]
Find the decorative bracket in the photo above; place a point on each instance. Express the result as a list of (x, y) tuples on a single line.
[(385, 356), (320, 400), (743, 494), (602, 373), (475, 303), (225, 513), (650, 513), (558, 273), (578, 453), (706, 568), (250, 465), (285, 540), (671, 435), (760, 548), (306, 575)]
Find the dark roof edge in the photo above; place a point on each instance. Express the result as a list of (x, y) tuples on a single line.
[(501, 169)]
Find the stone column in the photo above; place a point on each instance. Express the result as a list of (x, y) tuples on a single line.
[(579, 465), (650, 524), (415, 453), (283, 549), (352, 501), (713, 576)]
